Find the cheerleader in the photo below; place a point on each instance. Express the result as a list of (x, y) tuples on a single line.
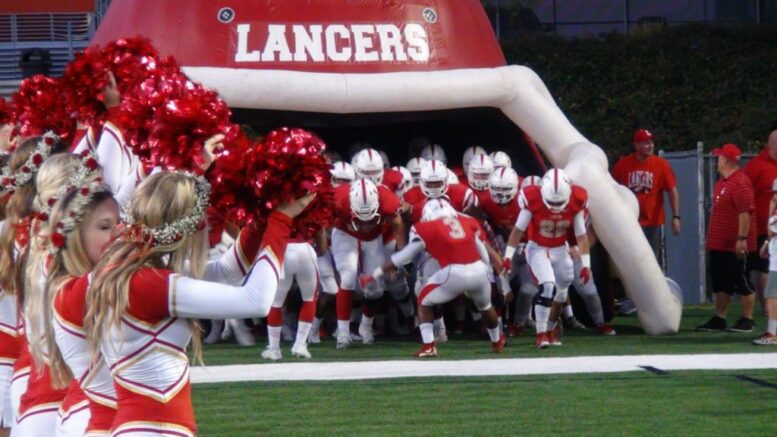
[(141, 309)]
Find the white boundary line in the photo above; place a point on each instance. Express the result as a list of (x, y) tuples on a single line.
[(318, 371)]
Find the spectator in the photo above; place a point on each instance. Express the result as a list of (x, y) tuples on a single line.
[(762, 171), (731, 241), (649, 176)]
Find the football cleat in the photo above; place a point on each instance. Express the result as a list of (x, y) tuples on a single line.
[(300, 350), (367, 334), (428, 350), (343, 341), (499, 345), (514, 330), (572, 323), (605, 329), (272, 354), (541, 340)]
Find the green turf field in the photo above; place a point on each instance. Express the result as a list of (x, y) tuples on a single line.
[(630, 341), (637, 403)]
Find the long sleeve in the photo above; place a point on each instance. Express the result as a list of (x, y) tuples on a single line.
[(192, 298), (233, 265), (410, 251), (114, 156), (482, 251)]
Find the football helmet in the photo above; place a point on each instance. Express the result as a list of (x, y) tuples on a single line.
[(480, 169), (407, 179), (556, 189), (341, 172), (364, 200), (501, 159), (503, 185), (434, 152), (434, 179), (452, 178), (414, 167), (471, 152), (368, 165), (437, 209), (531, 180)]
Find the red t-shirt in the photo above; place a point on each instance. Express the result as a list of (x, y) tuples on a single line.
[(647, 180), (762, 171), (389, 206), (731, 196), (548, 228)]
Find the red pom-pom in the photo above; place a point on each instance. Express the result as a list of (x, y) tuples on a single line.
[(39, 107), (251, 181)]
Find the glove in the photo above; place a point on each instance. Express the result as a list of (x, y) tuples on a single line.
[(585, 275), (365, 281), (507, 265)]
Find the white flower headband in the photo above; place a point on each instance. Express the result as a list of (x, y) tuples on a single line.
[(193, 221), (86, 170), (77, 209), (12, 182)]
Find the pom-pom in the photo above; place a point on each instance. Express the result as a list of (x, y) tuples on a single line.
[(252, 179), (39, 107)]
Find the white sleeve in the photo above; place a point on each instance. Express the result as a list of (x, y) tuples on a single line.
[(408, 253), (84, 144), (524, 218), (193, 298), (482, 251), (114, 157), (579, 222)]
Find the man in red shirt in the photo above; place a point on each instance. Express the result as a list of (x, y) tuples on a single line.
[(730, 238), (762, 171), (648, 176)]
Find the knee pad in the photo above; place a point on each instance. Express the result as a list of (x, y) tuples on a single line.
[(546, 294)]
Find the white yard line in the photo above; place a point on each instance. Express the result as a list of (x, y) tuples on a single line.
[(493, 367)]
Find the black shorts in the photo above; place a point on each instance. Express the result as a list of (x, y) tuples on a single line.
[(730, 274), (760, 264)]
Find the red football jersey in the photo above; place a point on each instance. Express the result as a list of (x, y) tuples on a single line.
[(481, 196), (450, 240), (414, 196), (392, 179), (547, 228), (459, 196), (502, 218), (389, 206)]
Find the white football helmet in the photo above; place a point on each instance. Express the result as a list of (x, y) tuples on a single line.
[(528, 181), (407, 179), (364, 200), (414, 166), (434, 152), (368, 165), (434, 179), (556, 189), (452, 178), (341, 172), (501, 159), (437, 209), (471, 152), (480, 169), (503, 185)]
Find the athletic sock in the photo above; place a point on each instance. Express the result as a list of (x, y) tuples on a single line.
[(274, 337), (772, 326), (566, 311), (303, 329), (427, 333), (541, 313), (493, 333)]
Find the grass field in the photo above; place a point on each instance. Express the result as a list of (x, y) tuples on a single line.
[(635, 403)]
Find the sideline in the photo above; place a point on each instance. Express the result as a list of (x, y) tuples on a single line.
[(356, 370)]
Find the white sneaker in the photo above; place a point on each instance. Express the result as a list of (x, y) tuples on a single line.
[(441, 336), (343, 341), (272, 354), (242, 333), (216, 327), (368, 337), (300, 350), (314, 337)]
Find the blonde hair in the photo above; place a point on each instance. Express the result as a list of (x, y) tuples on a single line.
[(53, 174), (160, 199), (68, 263), (18, 207)]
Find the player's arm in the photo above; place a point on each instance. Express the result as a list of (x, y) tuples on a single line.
[(398, 226), (516, 235), (581, 234), (397, 259)]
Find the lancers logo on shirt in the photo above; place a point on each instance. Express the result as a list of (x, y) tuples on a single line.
[(641, 181)]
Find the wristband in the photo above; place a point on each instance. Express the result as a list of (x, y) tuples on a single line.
[(509, 252), (586, 260), (378, 273)]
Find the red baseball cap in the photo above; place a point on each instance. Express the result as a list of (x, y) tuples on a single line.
[(642, 135), (729, 150)]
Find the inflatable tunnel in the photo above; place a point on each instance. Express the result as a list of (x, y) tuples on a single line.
[(384, 71)]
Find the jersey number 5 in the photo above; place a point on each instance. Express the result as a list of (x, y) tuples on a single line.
[(457, 232)]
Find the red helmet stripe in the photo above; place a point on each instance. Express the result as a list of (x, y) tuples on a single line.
[(555, 180), (369, 153), (364, 190)]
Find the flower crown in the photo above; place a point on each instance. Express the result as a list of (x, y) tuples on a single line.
[(191, 222), (12, 182), (87, 169), (84, 195)]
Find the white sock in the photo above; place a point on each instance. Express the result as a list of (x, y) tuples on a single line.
[(343, 328), (566, 311), (303, 329), (427, 333), (493, 333), (367, 320), (439, 323), (274, 337), (772, 326), (551, 325), (541, 314), (316, 324)]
